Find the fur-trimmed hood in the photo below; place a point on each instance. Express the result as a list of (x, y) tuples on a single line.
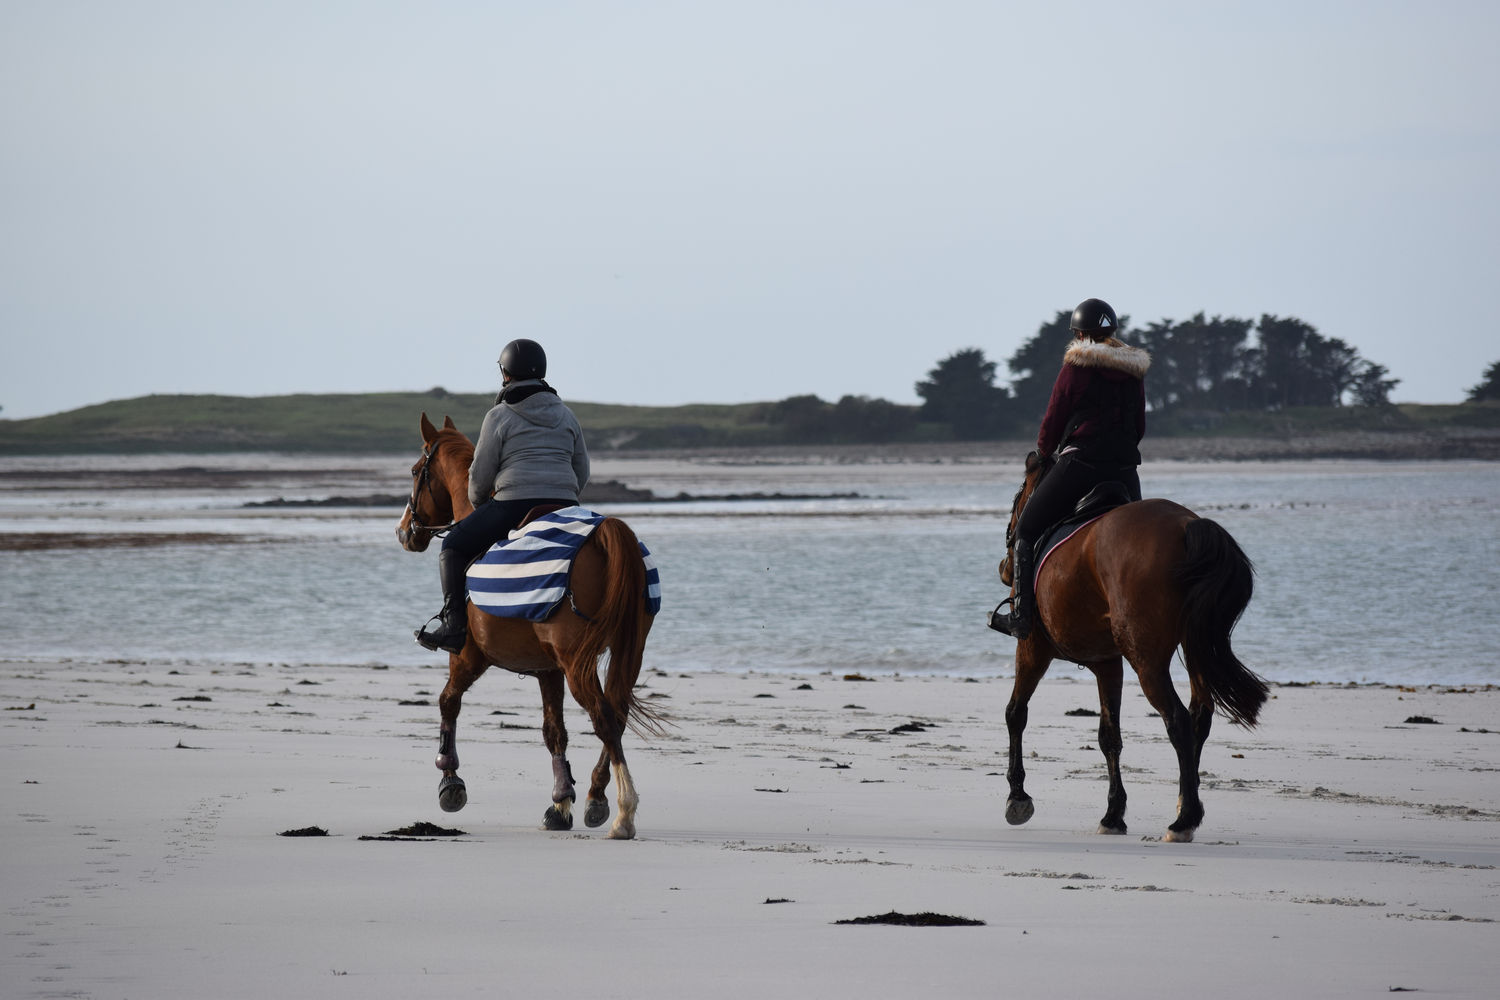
[(1111, 353)]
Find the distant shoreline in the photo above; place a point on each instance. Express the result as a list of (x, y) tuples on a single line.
[(387, 423), (1461, 443)]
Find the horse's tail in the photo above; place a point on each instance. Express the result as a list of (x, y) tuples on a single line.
[(618, 627), (1217, 579)]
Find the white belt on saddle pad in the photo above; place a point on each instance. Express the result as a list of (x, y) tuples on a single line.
[(526, 576)]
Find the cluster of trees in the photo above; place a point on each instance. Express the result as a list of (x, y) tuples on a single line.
[(1199, 364), (1488, 387)]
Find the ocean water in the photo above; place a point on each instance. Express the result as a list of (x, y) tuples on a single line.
[(1373, 572)]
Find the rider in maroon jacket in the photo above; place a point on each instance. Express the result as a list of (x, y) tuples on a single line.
[(1095, 420)]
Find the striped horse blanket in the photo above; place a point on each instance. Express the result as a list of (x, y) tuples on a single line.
[(526, 576)]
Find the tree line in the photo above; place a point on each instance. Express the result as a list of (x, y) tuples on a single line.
[(1200, 366)]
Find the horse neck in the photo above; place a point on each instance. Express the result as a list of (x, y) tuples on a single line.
[(453, 471)]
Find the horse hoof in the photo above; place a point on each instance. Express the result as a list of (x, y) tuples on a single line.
[(622, 831), (1179, 837), (1114, 831), (452, 795), (555, 819), (596, 813), (1018, 811)]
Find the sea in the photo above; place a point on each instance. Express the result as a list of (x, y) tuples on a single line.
[(1367, 572)]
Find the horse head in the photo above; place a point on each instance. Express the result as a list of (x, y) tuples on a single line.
[(1036, 468), (433, 506)]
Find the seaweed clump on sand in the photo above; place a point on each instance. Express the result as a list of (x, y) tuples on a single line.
[(915, 920), (419, 831)]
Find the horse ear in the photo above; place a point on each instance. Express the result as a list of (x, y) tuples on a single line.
[(428, 431), (448, 424), (1031, 460)]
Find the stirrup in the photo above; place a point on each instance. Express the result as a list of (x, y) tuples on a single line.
[(1010, 624), (433, 639), (997, 620)]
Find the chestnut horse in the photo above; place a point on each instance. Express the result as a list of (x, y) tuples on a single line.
[(607, 612), (1137, 583)]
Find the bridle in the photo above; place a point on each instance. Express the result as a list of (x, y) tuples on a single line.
[(423, 481)]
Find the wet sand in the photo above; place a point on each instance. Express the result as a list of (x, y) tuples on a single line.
[(1350, 847)]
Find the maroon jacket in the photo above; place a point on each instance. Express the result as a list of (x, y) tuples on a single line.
[(1100, 385)]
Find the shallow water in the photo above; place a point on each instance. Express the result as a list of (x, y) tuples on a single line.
[(1367, 571)]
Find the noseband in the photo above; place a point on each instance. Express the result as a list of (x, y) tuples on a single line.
[(423, 481)]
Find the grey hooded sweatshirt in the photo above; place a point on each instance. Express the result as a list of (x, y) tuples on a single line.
[(529, 450)]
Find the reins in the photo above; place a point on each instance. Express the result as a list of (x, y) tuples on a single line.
[(424, 481)]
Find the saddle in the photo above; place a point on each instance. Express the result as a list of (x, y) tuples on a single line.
[(1094, 504)]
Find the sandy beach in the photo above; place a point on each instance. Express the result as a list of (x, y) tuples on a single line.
[(1348, 851)]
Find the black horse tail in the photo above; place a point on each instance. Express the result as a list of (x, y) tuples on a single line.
[(1217, 579)]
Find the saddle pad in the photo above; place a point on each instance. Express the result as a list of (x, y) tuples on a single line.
[(1055, 540), (526, 576)]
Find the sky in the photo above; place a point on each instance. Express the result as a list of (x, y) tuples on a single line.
[(725, 201)]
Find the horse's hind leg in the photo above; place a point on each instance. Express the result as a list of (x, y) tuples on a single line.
[(1181, 730), (1030, 666), (559, 815), (462, 673), (597, 809), (1109, 675)]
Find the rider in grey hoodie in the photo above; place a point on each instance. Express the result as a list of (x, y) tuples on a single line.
[(530, 453)]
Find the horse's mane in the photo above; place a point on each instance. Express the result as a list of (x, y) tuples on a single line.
[(452, 437)]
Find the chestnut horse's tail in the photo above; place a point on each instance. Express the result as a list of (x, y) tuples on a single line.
[(1217, 580), (619, 627)]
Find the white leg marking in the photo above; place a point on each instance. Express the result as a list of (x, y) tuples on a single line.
[(627, 799)]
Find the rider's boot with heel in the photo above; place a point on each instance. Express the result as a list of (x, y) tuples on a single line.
[(452, 629), (1017, 622)]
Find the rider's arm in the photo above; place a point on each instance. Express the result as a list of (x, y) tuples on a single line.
[(580, 459), (486, 464), (1060, 407)]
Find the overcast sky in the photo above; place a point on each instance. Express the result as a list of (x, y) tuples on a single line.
[(725, 201)]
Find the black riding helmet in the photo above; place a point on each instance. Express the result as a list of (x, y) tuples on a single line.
[(1094, 315), (524, 359)]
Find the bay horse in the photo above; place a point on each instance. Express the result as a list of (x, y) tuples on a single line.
[(607, 613), (1135, 584)]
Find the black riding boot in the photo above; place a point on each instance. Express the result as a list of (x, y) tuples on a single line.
[(452, 630), (1017, 623)]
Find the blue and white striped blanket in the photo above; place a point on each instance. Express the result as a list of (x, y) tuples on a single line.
[(526, 576)]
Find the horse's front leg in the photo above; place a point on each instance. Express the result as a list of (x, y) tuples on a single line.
[(559, 815), (1109, 675), (462, 673), (1157, 684), (1031, 664), (613, 758)]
